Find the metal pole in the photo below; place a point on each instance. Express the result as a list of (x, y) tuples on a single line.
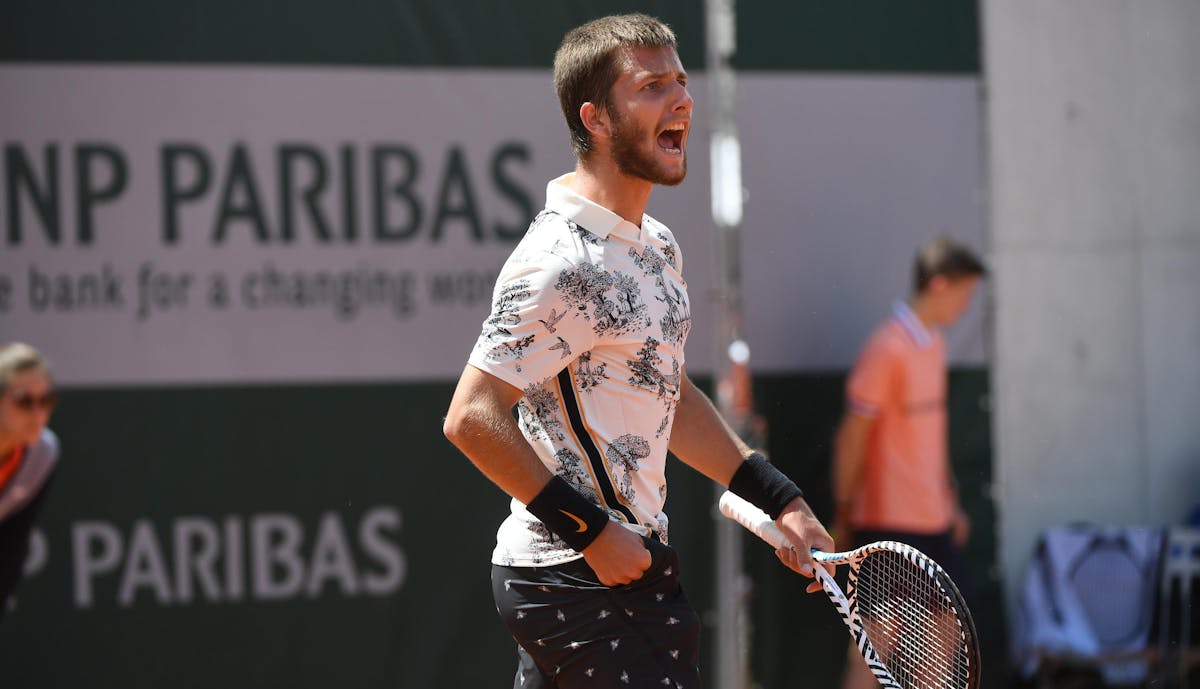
[(730, 370)]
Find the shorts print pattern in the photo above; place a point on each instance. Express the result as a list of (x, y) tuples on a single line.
[(573, 632)]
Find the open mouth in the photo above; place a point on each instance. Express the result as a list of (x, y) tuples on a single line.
[(670, 140)]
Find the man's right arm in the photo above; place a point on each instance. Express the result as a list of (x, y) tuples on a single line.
[(850, 452), (480, 424)]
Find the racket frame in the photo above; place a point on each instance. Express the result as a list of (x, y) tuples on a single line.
[(846, 603)]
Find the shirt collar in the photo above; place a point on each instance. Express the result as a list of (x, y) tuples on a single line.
[(586, 213), (912, 325)]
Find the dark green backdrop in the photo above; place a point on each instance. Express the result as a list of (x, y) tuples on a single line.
[(814, 35), (162, 454)]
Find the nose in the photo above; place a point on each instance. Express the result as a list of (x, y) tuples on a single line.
[(685, 101)]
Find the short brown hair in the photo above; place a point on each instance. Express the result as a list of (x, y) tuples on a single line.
[(18, 357), (587, 64), (944, 256)]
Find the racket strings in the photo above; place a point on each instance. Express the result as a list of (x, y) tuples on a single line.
[(912, 622)]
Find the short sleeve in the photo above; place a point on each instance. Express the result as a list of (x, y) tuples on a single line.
[(535, 328), (870, 383)]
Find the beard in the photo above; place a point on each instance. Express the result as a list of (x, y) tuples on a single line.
[(633, 160)]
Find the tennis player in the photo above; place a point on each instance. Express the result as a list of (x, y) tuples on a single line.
[(586, 338), (28, 455)]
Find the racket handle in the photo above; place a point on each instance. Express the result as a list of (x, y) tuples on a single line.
[(755, 520)]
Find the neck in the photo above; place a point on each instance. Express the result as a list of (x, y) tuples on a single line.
[(606, 185), (924, 311)]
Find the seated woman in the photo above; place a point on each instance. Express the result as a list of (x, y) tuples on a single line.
[(28, 455)]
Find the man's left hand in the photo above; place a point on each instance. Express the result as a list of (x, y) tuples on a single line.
[(805, 532)]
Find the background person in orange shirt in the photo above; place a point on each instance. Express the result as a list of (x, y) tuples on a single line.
[(28, 455), (891, 474)]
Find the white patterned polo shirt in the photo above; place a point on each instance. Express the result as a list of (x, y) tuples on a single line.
[(589, 317)]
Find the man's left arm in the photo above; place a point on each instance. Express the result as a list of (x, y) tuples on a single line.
[(960, 528), (703, 440)]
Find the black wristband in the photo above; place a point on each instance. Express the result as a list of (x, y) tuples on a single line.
[(763, 485), (568, 514)]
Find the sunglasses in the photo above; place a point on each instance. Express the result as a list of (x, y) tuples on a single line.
[(28, 402)]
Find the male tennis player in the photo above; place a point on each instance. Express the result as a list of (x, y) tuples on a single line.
[(892, 477), (585, 337)]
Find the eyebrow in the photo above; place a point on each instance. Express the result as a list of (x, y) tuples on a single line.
[(650, 76)]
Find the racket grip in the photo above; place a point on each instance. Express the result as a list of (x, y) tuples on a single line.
[(754, 519)]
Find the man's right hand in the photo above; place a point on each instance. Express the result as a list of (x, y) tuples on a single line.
[(617, 556)]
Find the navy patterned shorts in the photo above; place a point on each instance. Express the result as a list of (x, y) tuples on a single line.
[(573, 632)]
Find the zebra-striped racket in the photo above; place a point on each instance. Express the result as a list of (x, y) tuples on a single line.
[(905, 615)]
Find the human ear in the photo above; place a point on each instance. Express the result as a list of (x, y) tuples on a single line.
[(937, 284), (594, 118)]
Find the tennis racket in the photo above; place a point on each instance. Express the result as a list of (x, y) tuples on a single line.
[(904, 614)]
